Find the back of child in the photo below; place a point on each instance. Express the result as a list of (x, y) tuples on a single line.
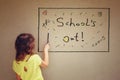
[(27, 63)]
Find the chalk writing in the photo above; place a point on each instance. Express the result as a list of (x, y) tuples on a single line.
[(70, 23), (74, 29), (67, 38), (99, 41), (44, 12)]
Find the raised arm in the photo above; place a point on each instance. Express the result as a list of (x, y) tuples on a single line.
[(45, 60)]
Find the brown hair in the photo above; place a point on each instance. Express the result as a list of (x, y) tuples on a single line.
[(24, 45)]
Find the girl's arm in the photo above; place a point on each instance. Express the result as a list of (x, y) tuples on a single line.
[(18, 77), (45, 60)]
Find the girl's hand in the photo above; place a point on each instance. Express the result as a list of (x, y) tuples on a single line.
[(47, 47)]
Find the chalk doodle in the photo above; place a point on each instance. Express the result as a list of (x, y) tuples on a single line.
[(74, 29)]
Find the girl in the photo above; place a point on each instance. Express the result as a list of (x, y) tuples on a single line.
[(27, 64)]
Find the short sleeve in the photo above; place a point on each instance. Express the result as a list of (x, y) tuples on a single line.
[(37, 59), (16, 68)]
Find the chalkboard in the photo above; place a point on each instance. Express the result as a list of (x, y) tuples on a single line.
[(74, 29)]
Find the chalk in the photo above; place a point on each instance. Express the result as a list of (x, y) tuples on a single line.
[(48, 38)]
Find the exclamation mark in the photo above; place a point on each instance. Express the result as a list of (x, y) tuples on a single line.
[(82, 36)]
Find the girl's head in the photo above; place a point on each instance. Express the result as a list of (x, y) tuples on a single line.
[(24, 44)]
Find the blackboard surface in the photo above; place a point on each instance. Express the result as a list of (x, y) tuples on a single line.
[(74, 29)]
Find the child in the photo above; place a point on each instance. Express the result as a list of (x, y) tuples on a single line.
[(27, 64)]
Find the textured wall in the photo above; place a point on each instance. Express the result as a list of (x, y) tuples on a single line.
[(17, 16)]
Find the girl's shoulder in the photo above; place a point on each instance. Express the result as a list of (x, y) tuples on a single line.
[(17, 62), (27, 58), (34, 56), (30, 57)]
